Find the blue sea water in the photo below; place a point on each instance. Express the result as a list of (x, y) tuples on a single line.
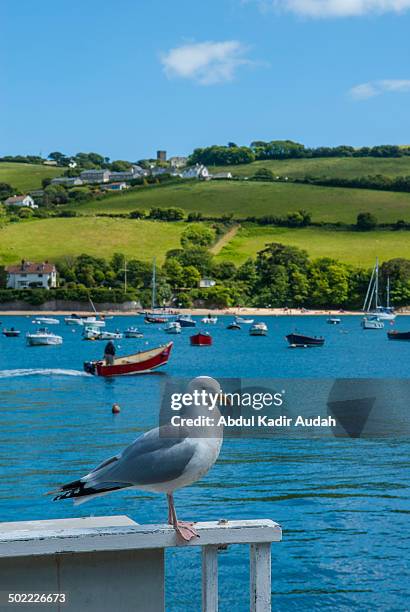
[(343, 503)]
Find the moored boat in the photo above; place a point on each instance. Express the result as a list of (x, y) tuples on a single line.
[(133, 332), (186, 321), (43, 337), (259, 329), (137, 363), (209, 320), (92, 333), (173, 327), (334, 321), (234, 325), (154, 319), (242, 321), (46, 321), (11, 333), (81, 321), (372, 322), (301, 340), (398, 335), (201, 339)]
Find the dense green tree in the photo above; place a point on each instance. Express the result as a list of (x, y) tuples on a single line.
[(366, 221), (197, 235)]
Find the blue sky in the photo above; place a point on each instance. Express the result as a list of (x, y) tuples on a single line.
[(127, 77)]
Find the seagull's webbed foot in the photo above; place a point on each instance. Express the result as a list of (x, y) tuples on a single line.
[(186, 530)]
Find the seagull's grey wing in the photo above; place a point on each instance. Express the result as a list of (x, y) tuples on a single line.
[(151, 459)]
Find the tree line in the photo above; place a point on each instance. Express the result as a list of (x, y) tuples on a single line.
[(279, 276), (232, 154)]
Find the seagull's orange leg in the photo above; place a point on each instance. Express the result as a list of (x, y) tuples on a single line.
[(185, 530)]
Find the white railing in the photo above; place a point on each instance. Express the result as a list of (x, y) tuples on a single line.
[(132, 555)]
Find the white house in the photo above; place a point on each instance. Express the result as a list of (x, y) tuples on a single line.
[(178, 161), (206, 283), (139, 171), (95, 176), (27, 275), (198, 171), (21, 201), (125, 175)]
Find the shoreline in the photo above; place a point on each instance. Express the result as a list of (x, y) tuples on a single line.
[(257, 312)]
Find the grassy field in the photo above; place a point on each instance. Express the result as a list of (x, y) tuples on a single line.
[(328, 204), (52, 239), (342, 167), (26, 176), (351, 247)]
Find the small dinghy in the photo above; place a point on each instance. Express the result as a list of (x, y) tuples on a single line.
[(259, 329), (201, 339), (398, 335), (242, 321), (43, 337), (334, 321), (234, 325), (11, 333), (133, 332), (138, 363), (297, 340)]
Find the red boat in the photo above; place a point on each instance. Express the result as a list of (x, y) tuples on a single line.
[(138, 363), (201, 339)]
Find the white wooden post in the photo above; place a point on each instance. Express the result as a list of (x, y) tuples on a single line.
[(209, 579), (260, 577)]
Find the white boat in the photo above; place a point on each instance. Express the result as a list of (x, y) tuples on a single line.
[(133, 332), (82, 321), (173, 327), (45, 321), (210, 320), (93, 333), (372, 322), (43, 337), (371, 304), (334, 321), (242, 321), (258, 329)]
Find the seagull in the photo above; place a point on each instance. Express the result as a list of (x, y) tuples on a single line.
[(162, 460)]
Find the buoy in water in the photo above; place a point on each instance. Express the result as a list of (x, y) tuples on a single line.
[(115, 409)]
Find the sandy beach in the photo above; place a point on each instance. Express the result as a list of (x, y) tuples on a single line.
[(248, 312)]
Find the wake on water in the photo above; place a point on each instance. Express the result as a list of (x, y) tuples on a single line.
[(41, 372)]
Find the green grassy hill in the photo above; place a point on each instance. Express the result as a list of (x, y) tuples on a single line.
[(357, 248), (53, 239), (26, 176), (329, 204), (341, 167)]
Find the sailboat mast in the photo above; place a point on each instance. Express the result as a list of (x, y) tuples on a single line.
[(369, 295), (154, 285), (388, 292), (376, 289)]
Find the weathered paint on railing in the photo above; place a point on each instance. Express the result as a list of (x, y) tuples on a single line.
[(94, 543)]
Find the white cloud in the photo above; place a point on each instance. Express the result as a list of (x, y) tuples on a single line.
[(337, 8), (207, 63), (376, 88)]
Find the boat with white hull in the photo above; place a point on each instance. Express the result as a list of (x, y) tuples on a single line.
[(43, 337)]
